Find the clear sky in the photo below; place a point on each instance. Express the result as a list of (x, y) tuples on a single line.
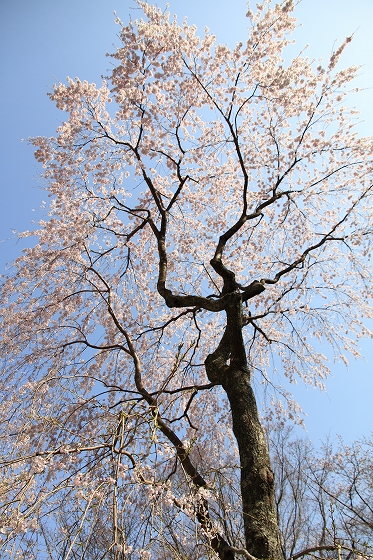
[(43, 41)]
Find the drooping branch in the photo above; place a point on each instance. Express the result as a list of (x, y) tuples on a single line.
[(218, 543)]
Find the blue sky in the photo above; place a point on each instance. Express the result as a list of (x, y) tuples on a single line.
[(43, 41)]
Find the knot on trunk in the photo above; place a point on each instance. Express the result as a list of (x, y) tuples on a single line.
[(216, 368)]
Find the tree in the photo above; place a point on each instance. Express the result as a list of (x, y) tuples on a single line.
[(323, 496), (209, 219)]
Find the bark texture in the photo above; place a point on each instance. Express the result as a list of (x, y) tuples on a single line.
[(227, 365), (257, 481)]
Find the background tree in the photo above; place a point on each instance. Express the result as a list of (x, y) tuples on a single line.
[(203, 228), (323, 497)]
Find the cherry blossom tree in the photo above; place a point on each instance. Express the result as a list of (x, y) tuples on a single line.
[(209, 229)]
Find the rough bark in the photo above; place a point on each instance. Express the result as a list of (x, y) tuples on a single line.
[(257, 481), (228, 366)]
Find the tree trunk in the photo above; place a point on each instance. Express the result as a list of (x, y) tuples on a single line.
[(257, 482), (227, 365)]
